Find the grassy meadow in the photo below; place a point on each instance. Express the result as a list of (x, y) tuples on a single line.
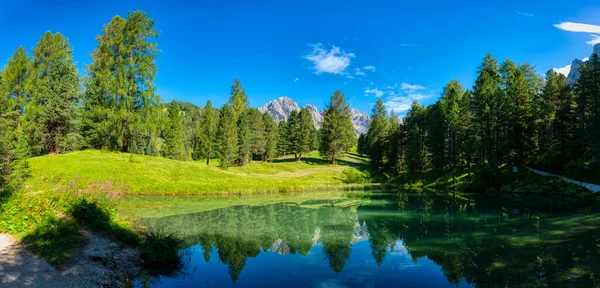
[(146, 175)]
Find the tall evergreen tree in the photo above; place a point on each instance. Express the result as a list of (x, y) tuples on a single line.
[(337, 131), (174, 135), (377, 134), (487, 106), (244, 138), (15, 80), (415, 138), (238, 98), (283, 141), (259, 141), (120, 84), (271, 136), (227, 138), (207, 137)]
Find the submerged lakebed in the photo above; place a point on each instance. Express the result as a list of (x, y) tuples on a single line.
[(383, 240)]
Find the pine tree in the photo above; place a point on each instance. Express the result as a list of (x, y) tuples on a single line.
[(227, 139), (120, 84), (486, 110), (377, 134), (15, 79), (207, 136), (259, 141), (283, 141), (520, 121), (415, 138), (238, 98), (453, 110), (271, 137), (174, 135), (337, 131), (360, 147), (244, 137), (49, 117)]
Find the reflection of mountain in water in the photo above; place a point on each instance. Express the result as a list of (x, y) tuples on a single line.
[(482, 242)]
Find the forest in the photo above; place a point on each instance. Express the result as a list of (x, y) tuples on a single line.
[(47, 107), (511, 117)]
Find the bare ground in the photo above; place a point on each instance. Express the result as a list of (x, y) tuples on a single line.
[(97, 264)]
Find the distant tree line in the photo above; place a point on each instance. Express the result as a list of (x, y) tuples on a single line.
[(46, 107), (511, 117)]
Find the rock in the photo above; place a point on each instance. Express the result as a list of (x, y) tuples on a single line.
[(281, 108), (361, 122), (574, 72)]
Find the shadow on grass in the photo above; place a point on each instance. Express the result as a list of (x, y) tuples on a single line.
[(320, 161), (55, 240)]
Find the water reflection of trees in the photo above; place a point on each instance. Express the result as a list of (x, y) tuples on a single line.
[(244, 231), (493, 243), (486, 243)]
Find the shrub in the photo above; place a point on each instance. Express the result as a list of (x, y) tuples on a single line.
[(352, 176)]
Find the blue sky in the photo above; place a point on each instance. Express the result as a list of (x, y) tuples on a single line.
[(397, 50)]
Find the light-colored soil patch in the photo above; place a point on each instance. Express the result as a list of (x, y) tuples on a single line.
[(98, 264)]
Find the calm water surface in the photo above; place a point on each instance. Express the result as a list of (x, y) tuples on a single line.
[(391, 240)]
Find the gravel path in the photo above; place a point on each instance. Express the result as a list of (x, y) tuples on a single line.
[(88, 268), (592, 187)]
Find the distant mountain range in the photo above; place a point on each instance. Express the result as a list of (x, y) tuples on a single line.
[(281, 108), (574, 73)]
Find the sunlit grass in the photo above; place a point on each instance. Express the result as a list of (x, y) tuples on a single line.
[(146, 175)]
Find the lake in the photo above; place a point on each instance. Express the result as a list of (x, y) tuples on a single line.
[(385, 240)]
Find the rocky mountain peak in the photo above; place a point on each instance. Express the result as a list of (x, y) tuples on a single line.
[(574, 72), (281, 108)]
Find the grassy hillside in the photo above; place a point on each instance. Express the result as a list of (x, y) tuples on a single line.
[(146, 175)]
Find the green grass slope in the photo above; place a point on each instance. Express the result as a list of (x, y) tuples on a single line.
[(146, 175)]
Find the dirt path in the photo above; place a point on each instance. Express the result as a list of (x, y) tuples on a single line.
[(19, 268), (592, 187)]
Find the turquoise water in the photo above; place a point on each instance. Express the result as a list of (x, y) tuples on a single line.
[(391, 241)]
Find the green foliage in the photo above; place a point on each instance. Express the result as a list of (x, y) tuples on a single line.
[(244, 139), (174, 135), (258, 142), (120, 85), (271, 137), (227, 137), (376, 138), (208, 133), (351, 176), (337, 132), (238, 98)]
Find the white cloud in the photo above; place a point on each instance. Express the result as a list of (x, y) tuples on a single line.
[(359, 73), (334, 61), (524, 14), (376, 92), (563, 70), (408, 45), (349, 76), (585, 59), (401, 103), (595, 40), (296, 80), (578, 27), (409, 87), (370, 67)]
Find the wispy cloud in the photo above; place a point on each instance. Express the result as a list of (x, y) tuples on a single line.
[(296, 80), (524, 14), (370, 68), (376, 92), (409, 87), (408, 45), (334, 60), (563, 70), (359, 73), (595, 40), (578, 27), (399, 97), (349, 76)]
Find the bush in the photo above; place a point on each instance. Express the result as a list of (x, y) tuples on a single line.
[(352, 176)]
